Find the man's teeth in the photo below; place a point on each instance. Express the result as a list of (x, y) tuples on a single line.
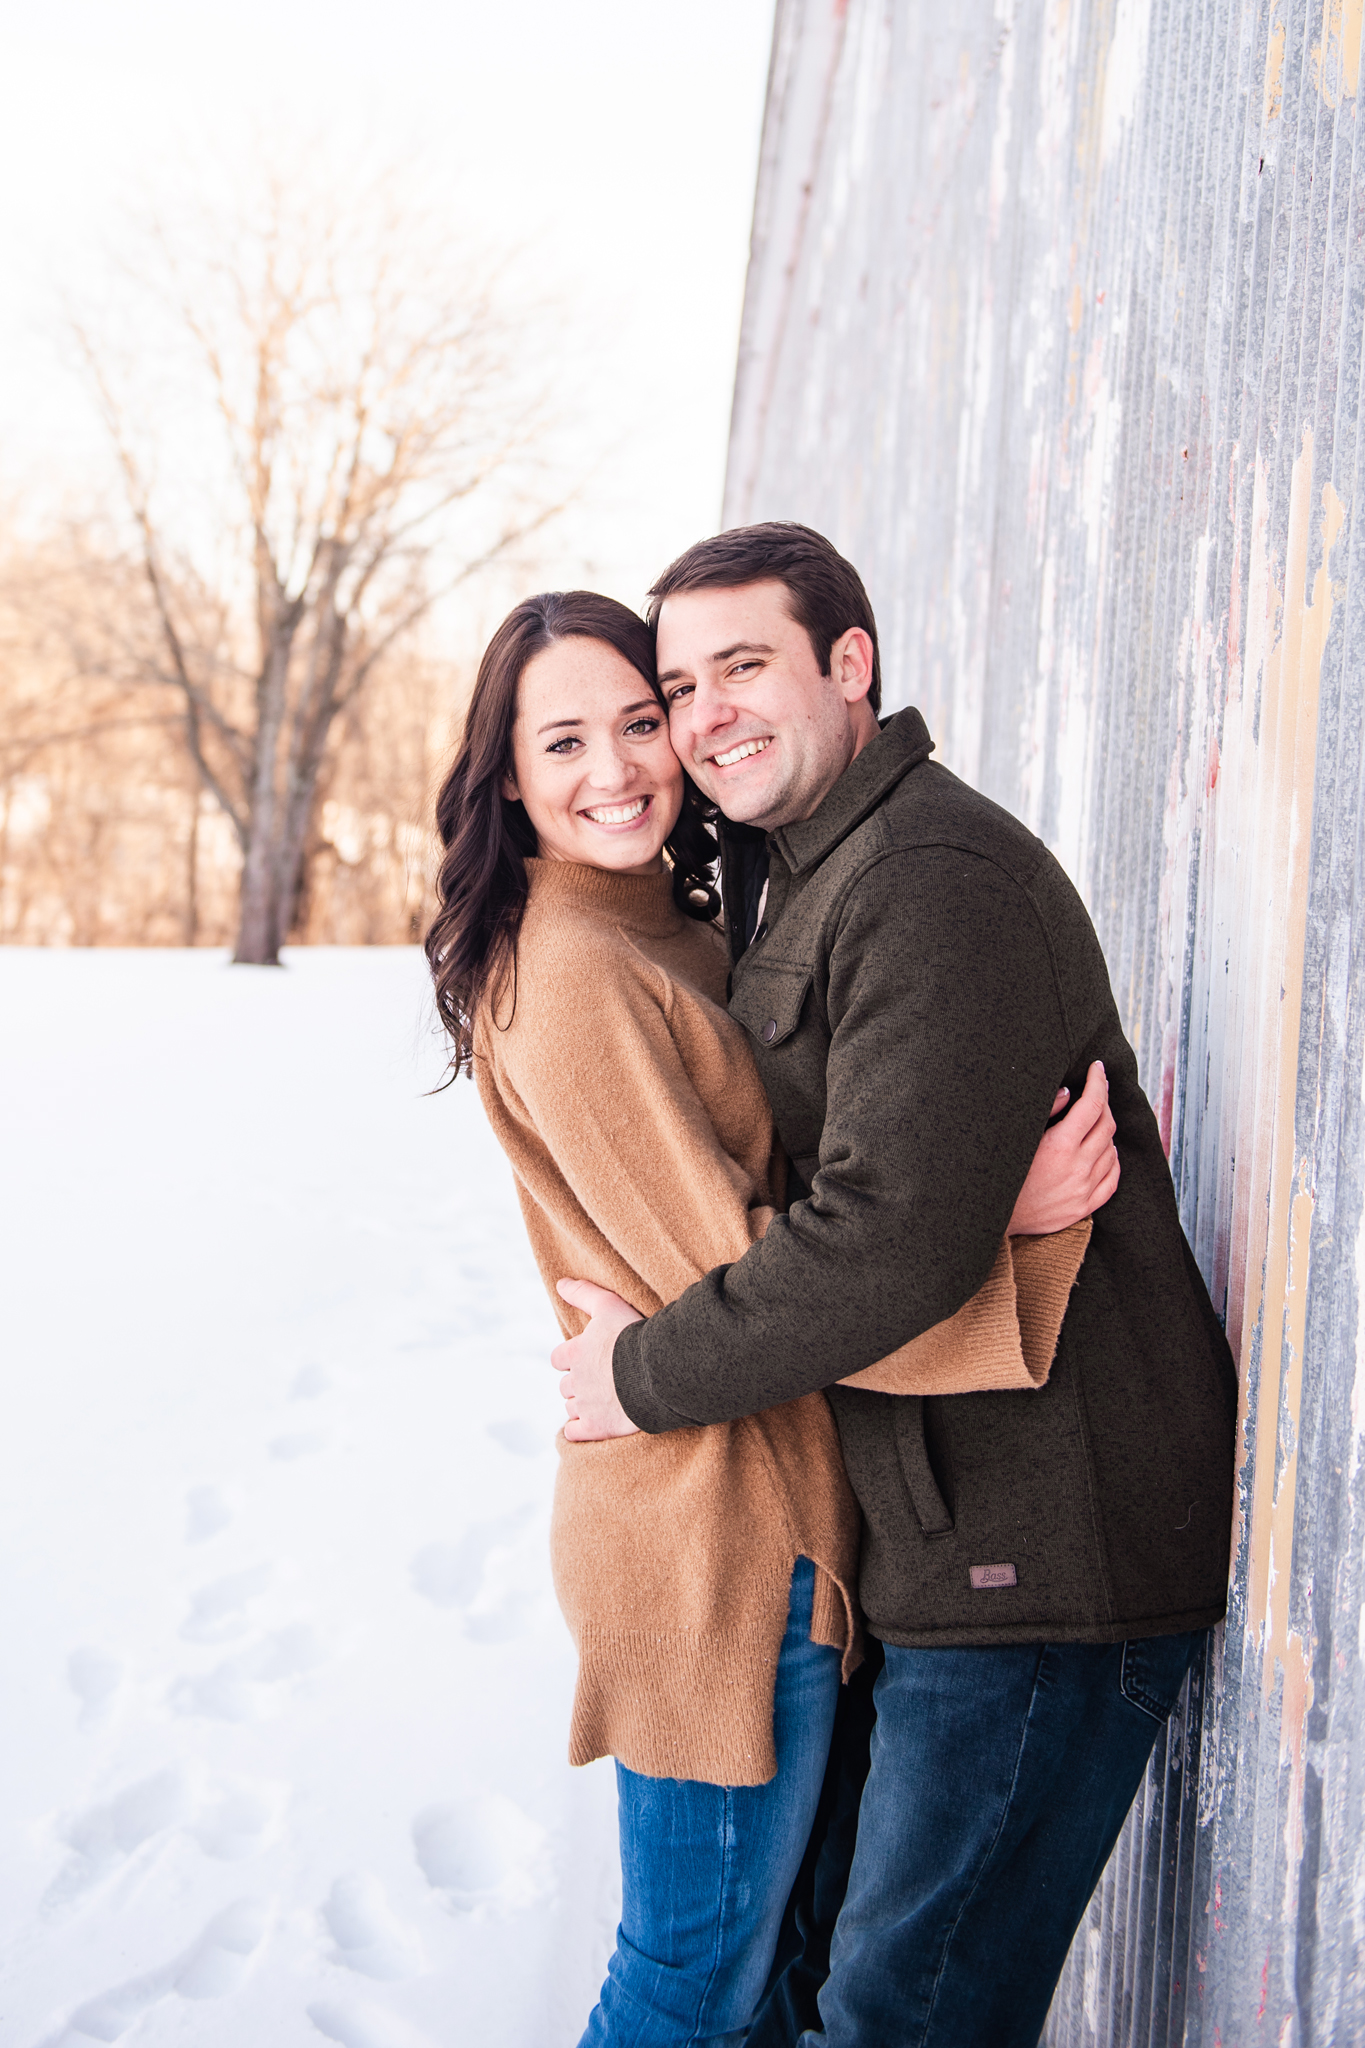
[(617, 814), (740, 753)]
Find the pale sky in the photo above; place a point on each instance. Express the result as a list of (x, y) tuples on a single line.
[(615, 141)]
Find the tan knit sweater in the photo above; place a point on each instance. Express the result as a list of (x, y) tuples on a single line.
[(641, 1140)]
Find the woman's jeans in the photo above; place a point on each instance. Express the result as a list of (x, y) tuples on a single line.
[(706, 1869)]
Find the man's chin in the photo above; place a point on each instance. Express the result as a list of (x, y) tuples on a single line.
[(742, 806)]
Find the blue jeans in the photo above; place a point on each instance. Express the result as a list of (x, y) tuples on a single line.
[(999, 1781), (706, 1869)]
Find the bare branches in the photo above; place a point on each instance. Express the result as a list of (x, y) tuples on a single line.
[(346, 429)]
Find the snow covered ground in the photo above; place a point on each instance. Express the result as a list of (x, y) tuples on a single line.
[(285, 1690)]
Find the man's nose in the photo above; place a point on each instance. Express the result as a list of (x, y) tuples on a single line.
[(708, 708)]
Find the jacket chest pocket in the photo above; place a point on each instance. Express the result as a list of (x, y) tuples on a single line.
[(768, 1002), (791, 1049)]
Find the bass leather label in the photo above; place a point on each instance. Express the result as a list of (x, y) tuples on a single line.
[(987, 1575)]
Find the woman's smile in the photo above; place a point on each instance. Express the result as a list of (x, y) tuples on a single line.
[(618, 814)]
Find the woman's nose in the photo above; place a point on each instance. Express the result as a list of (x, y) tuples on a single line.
[(611, 769)]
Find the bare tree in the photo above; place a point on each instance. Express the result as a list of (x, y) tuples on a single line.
[(337, 434), (107, 835)]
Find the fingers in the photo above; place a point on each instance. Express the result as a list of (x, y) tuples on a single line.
[(588, 1296), (1090, 1106), (1059, 1103), (1098, 1142)]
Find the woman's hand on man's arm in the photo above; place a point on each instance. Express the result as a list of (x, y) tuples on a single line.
[(1076, 1167)]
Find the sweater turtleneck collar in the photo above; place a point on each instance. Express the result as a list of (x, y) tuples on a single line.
[(643, 902)]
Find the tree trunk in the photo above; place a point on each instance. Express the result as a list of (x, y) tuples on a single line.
[(259, 936), (192, 871), (258, 921)]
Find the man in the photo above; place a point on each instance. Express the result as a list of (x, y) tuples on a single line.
[(917, 977)]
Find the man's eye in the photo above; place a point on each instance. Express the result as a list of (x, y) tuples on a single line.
[(642, 725), (676, 696)]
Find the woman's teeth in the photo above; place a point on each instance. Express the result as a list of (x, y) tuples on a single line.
[(740, 752), (617, 814)]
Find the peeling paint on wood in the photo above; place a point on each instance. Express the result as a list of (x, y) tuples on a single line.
[(1054, 324)]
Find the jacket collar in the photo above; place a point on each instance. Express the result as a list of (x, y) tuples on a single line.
[(901, 745)]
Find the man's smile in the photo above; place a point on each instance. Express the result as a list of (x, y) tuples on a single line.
[(741, 752)]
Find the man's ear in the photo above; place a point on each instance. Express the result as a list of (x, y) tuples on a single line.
[(850, 664)]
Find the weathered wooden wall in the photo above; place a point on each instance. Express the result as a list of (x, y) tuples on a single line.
[(1054, 325)]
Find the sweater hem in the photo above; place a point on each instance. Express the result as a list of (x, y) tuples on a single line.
[(694, 1705), (1008, 1633)]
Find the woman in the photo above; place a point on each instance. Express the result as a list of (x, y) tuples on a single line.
[(708, 1576)]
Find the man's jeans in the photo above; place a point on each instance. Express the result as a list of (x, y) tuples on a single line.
[(706, 1869), (999, 1781)]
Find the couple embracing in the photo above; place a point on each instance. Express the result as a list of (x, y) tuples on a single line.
[(895, 1490)]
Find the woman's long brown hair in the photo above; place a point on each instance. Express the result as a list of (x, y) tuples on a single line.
[(481, 886)]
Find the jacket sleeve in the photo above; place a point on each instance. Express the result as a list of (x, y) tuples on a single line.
[(947, 1040)]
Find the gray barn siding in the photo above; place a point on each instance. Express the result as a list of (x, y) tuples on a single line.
[(1054, 324)]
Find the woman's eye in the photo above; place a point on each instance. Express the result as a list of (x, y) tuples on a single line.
[(563, 746), (643, 725)]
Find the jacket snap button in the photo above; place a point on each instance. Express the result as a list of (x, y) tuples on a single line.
[(770, 1031)]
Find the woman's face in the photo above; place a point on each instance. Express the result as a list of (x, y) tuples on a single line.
[(591, 760)]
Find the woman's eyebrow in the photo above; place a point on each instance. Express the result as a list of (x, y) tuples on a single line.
[(627, 711)]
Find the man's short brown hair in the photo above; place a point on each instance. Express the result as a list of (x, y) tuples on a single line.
[(825, 592)]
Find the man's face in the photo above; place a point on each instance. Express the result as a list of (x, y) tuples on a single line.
[(760, 730)]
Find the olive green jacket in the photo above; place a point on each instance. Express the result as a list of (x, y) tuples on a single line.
[(925, 979)]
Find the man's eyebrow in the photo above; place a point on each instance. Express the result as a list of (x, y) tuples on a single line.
[(743, 647), (674, 675), (626, 711)]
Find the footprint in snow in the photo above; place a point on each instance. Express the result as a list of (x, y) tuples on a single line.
[(219, 1960), (101, 1838), (207, 1510), (464, 1574), (236, 1822), (365, 2026), (309, 1382), (302, 1443), (244, 1688), (364, 1931), (95, 1677), (522, 1439), (218, 1611), (482, 1852), (211, 1967), (232, 1821)]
